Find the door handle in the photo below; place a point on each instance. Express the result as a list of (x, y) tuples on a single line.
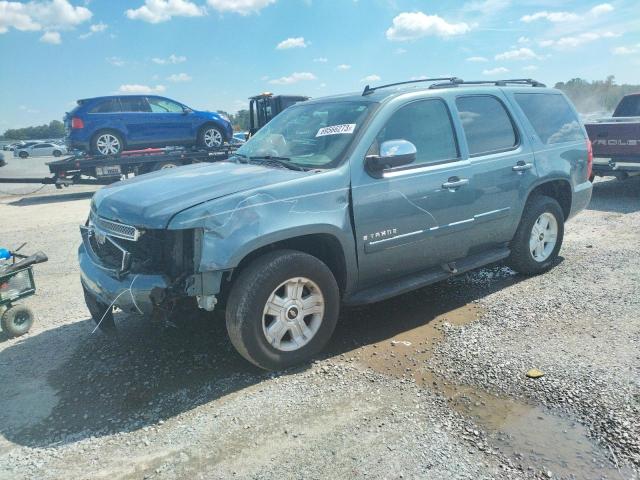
[(521, 167), (454, 183)]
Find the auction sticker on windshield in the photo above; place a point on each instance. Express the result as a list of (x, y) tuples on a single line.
[(336, 129)]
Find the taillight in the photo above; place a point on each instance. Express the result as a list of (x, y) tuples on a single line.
[(589, 159), (77, 123)]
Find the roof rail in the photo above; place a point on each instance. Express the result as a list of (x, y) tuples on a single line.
[(369, 90), (498, 83)]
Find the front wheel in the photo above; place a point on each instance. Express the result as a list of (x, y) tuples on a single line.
[(282, 309), (211, 137), (16, 321), (57, 153), (23, 154), (538, 239)]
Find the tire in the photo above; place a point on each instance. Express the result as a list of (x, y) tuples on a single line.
[(57, 153), (267, 277), (101, 313), (164, 165), (16, 321), (210, 137), (524, 257), (23, 154), (107, 142)]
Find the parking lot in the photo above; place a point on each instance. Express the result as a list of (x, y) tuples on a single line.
[(431, 384)]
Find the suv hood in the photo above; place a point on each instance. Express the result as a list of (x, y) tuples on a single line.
[(151, 200)]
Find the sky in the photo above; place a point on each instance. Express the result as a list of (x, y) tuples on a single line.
[(214, 54)]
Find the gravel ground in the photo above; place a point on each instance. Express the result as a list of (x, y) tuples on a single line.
[(427, 385)]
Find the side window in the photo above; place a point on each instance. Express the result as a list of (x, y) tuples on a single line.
[(551, 117), (629, 106), (487, 125), (134, 104), (426, 124), (107, 106), (162, 105)]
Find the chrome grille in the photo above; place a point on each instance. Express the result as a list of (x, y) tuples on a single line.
[(115, 229)]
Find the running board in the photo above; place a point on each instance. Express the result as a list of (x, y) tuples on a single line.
[(421, 279)]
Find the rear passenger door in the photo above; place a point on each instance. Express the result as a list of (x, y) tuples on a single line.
[(135, 118), (501, 163)]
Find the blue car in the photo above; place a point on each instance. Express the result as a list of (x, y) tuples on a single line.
[(109, 125)]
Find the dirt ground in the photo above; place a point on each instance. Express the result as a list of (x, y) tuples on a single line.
[(427, 385)]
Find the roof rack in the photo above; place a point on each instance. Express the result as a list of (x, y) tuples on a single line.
[(369, 90), (498, 83)]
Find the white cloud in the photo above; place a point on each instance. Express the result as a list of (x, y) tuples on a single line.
[(172, 59), (243, 7), (560, 17), (157, 11), (567, 43), (41, 15), (524, 40), (179, 77), (95, 28), (530, 68), (115, 61), (477, 59), (136, 88), (413, 25), (486, 7), (343, 66), (371, 78), (495, 71), (554, 17), (518, 54), (321, 60), (297, 42), (624, 50), (51, 37), (293, 78)]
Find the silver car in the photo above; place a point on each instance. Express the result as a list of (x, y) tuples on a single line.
[(41, 150)]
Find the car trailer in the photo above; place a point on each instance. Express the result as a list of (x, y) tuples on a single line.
[(83, 169)]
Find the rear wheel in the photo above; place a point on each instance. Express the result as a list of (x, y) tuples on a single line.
[(107, 143), (538, 239), (57, 153), (23, 154), (282, 309), (211, 137), (17, 321)]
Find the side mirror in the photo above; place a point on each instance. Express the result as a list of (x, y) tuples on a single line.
[(393, 153), (186, 111)]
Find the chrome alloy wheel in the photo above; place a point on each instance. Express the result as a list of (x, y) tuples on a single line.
[(212, 138), (544, 236), (293, 314), (108, 144)]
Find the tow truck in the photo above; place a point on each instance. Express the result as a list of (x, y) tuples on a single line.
[(84, 169)]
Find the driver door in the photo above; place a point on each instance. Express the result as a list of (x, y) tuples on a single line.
[(407, 219)]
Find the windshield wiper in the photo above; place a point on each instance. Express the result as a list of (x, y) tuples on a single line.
[(284, 161), (240, 157)]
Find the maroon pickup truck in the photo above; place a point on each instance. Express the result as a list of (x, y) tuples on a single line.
[(616, 140)]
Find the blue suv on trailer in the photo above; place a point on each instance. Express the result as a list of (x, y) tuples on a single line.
[(109, 125)]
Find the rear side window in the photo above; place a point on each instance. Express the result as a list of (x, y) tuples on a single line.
[(629, 107), (551, 116), (427, 125), (134, 104), (107, 106), (487, 125)]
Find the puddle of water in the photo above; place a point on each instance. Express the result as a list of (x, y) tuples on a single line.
[(529, 435)]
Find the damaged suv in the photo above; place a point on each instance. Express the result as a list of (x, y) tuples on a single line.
[(342, 200)]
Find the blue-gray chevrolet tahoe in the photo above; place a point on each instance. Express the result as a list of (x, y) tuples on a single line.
[(349, 199)]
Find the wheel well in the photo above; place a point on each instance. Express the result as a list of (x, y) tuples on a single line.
[(324, 247), (560, 190), (210, 124)]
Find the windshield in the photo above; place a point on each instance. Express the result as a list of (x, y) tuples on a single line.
[(312, 135)]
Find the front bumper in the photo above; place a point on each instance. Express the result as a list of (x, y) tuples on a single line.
[(132, 293)]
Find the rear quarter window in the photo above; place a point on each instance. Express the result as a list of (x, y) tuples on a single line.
[(107, 106), (629, 106), (487, 125), (551, 116)]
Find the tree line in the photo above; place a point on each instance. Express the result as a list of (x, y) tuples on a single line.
[(597, 96), (55, 129)]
